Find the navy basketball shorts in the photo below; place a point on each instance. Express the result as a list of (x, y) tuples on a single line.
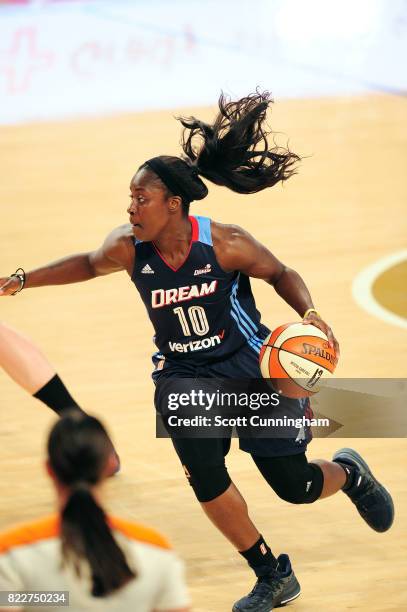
[(243, 364)]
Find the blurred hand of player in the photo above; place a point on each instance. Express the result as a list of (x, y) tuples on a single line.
[(314, 319), (8, 285)]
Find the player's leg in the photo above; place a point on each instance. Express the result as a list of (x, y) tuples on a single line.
[(29, 368), (203, 460), (292, 478), (347, 472), (229, 513), (276, 582), (298, 481), (334, 477)]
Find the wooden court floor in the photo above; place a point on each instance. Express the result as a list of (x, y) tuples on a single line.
[(64, 186)]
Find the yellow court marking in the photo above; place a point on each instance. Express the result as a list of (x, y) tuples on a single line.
[(381, 289), (390, 289)]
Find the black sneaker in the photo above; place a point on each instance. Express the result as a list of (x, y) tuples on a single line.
[(276, 589), (371, 499)]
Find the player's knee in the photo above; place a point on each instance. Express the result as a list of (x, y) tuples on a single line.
[(304, 488), (292, 493), (208, 482)]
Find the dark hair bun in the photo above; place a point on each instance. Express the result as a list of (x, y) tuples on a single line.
[(188, 175)]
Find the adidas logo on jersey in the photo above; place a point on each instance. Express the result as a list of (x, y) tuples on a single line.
[(204, 270), (147, 270)]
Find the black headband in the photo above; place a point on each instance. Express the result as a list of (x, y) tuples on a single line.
[(169, 178)]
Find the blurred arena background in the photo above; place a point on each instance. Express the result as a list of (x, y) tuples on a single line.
[(88, 91)]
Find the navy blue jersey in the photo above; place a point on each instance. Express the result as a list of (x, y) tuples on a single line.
[(199, 312)]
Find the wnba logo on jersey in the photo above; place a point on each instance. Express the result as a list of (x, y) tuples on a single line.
[(165, 297)]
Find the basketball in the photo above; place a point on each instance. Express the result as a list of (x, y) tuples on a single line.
[(295, 357)]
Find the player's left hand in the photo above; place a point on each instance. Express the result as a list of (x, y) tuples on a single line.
[(314, 319), (9, 285)]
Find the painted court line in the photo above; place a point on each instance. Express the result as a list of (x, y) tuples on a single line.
[(362, 289)]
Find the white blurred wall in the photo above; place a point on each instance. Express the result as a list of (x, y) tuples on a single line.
[(61, 59)]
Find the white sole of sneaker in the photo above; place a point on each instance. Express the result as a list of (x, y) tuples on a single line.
[(286, 601)]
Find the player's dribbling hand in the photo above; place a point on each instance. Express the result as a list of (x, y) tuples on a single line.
[(8, 285), (314, 319)]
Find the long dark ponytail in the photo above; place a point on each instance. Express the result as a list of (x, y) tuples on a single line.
[(235, 151), (78, 450)]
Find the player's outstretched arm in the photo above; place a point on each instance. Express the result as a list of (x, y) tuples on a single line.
[(113, 256), (236, 249)]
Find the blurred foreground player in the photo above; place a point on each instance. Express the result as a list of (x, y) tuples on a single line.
[(193, 275), (28, 367), (104, 562)]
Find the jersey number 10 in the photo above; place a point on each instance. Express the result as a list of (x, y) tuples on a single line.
[(197, 317)]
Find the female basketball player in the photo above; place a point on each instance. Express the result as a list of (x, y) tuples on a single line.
[(193, 276), (81, 550)]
